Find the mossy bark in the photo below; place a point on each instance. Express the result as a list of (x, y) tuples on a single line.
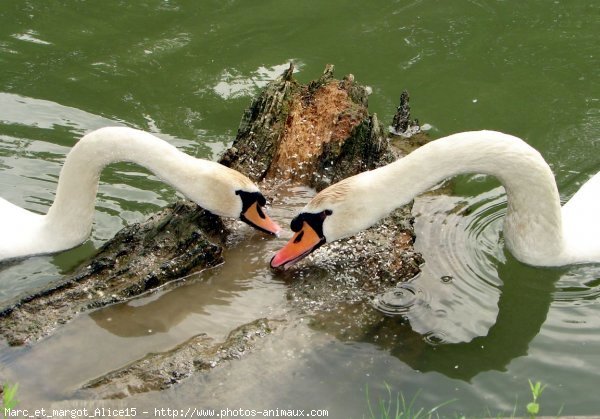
[(260, 128)]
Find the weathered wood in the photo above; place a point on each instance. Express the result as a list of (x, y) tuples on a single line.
[(402, 121), (316, 134), (261, 125)]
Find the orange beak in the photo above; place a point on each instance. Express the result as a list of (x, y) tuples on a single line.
[(257, 218), (302, 244)]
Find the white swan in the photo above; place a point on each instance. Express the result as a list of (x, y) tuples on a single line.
[(217, 188), (536, 229)]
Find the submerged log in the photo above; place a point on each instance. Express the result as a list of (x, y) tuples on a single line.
[(159, 371), (314, 134), (172, 243)]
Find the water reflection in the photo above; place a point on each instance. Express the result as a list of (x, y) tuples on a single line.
[(165, 310), (474, 308), (493, 307), (217, 292), (525, 299), (459, 239)]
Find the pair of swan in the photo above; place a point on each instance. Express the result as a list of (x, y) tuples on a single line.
[(536, 229), (217, 188)]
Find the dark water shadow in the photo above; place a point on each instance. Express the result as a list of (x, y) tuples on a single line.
[(207, 291), (525, 299), (149, 316)]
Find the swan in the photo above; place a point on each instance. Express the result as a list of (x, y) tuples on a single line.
[(68, 222), (537, 231)]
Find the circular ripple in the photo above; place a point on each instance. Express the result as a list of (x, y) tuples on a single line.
[(579, 286), (398, 300), (455, 297)]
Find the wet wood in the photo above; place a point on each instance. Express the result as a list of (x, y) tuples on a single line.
[(402, 122)]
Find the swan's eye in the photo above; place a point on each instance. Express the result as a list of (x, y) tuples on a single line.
[(314, 221), (296, 224), (249, 198)]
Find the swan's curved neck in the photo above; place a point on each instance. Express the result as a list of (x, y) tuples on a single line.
[(533, 225), (72, 212)]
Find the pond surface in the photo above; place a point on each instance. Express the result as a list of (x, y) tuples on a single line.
[(481, 324)]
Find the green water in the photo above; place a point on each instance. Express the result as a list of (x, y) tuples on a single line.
[(186, 70)]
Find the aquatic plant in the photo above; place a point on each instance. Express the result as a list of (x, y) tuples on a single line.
[(388, 408), (9, 401), (533, 407), (401, 408)]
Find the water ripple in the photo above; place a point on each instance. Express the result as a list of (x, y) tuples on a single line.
[(455, 297), (579, 286), (399, 300)]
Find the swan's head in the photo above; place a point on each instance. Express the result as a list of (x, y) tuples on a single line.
[(308, 237), (339, 211), (228, 193), (253, 212)]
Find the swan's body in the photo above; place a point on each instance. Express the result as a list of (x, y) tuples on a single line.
[(68, 222), (537, 230)]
